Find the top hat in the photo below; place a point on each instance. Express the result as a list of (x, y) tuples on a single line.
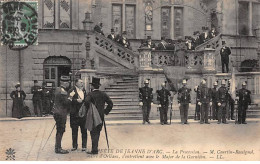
[(146, 82), (149, 37), (112, 30), (124, 33), (223, 42), (17, 85), (95, 81), (35, 81), (65, 78)]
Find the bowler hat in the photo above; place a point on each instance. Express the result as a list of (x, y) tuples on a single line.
[(65, 78), (95, 81)]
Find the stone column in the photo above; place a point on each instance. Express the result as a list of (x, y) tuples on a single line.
[(209, 61), (145, 58), (250, 22)]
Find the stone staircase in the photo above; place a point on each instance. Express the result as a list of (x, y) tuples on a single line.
[(125, 96)]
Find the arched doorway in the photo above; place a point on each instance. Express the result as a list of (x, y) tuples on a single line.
[(55, 67)]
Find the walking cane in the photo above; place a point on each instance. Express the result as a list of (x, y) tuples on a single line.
[(49, 136), (106, 133)]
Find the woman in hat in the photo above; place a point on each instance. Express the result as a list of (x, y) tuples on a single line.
[(18, 97)]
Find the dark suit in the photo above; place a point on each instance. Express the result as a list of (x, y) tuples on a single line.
[(60, 111), (37, 100), (184, 99), (162, 46), (222, 97), (204, 37), (76, 121), (163, 98), (225, 52), (99, 29), (124, 42), (146, 96), (214, 103), (18, 103), (243, 102), (98, 98)]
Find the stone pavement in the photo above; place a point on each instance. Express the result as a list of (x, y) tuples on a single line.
[(130, 140)]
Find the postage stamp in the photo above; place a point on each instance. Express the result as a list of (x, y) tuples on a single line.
[(19, 23)]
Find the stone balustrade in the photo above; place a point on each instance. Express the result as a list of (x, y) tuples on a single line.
[(213, 43)]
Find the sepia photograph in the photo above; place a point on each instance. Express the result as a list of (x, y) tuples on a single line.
[(130, 80)]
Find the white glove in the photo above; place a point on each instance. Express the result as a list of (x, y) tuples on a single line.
[(219, 104), (179, 104), (199, 103), (79, 100), (72, 93), (210, 104), (159, 105), (141, 103)]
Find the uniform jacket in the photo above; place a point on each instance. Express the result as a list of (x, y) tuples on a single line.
[(184, 95), (61, 102), (146, 94), (75, 105), (214, 94), (225, 52), (163, 96), (244, 97), (99, 98), (37, 95), (204, 95), (222, 95)]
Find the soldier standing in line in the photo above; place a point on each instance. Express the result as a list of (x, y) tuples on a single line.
[(60, 111), (184, 99), (231, 103), (204, 101), (214, 101), (224, 53), (146, 97), (222, 99), (244, 99), (37, 99), (197, 108), (163, 98)]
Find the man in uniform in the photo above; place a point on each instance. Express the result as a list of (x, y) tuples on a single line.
[(163, 45), (47, 98), (184, 99), (244, 99), (163, 98), (37, 98), (204, 101), (99, 99), (60, 111), (78, 96), (231, 103), (197, 107), (224, 53), (146, 97), (222, 99), (214, 101)]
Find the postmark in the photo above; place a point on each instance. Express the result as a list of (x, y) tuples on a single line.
[(19, 23)]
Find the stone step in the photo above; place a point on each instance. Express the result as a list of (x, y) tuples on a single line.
[(125, 84), (122, 87), (125, 100), (126, 108), (120, 97), (113, 93), (133, 112), (131, 103)]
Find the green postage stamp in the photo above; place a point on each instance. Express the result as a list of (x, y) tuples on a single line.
[(19, 23)]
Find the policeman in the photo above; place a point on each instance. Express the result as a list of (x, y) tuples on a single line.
[(184, 100), (146, 97), (37, 98), (222, 99), (163, 98), (244, 99), (231, 103), (60, 110), (197, 108), (204, 100), (214, 101)]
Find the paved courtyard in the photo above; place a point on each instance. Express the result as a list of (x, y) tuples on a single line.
[(130, 140)]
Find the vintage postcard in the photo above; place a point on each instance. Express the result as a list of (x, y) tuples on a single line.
[(130, 80)]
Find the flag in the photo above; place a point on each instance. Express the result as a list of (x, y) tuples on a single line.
[(233, 84), (174, 75)]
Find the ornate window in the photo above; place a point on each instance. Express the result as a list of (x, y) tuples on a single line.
[(166, 22), (117, 18), (130, 20), (65, 14), (48, 14), (148, 16), (178, 22), (243, 18)]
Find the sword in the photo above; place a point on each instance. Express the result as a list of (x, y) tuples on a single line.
[(106, 133), (49, 136)]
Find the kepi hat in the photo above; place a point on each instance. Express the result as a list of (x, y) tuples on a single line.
[(215, 83), (65, 78)]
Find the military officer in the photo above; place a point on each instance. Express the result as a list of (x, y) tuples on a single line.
[(214, 101), (197, 107), (146, 97), (222, 99), (60, 111), (204, 101), (244, 99), (225, 52), (184, 100), (163, 98), (37, 98), (231, 104)]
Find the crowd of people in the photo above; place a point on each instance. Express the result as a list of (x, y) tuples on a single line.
[(214, 103)]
